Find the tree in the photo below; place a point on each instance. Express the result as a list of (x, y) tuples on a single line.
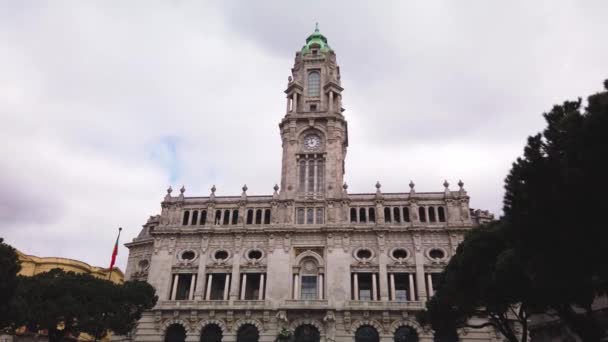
[(480, 287), (67, 303), (9, 267), (547, 254)]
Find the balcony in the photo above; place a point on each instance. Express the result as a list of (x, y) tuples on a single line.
[(305, 303), (371, 304)]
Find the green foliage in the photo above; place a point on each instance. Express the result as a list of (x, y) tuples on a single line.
[(9, 267), (284, 335), (80, 303), (547, 255)]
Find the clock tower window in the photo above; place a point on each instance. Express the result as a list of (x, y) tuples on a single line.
[(311, 175), (314, 84)]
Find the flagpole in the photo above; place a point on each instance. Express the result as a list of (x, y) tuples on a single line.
[(114, 253)]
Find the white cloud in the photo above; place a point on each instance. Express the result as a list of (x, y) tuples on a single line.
[(102, 105)]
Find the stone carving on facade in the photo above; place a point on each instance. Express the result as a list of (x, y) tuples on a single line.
[(417, 242), (286, 242), (282, 320), (172, 243), (330, 326)]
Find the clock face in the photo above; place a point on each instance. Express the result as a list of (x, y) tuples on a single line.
[(312, 142)]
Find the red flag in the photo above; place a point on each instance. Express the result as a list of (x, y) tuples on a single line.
[(115, 252)]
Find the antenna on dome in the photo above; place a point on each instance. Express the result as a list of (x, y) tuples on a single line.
[(317, 26)]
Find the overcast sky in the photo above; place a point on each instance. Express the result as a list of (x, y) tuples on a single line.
[(105, 104)]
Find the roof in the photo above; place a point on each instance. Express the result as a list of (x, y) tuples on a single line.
[(316, 38)]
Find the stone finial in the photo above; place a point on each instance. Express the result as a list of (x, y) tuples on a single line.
[(446, 185), (460, 183), (345, 187), (378, 186), (169, 190), (461, 190), (245, 189), (213, 188), (412, 190), (289, 79), (182, 190), (276, 188)]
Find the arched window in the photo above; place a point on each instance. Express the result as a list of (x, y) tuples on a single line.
[(441, 214), (310, 216), (302, 175), (258, 216), (432, 217), (300, 218), (218, 217), (186, 218), (362, 215), (175, 333), (248, 333), (250, 216), (194, 217), (387, 214), (372, 215), (406, 214), (314, 84), (309, 279), (203, 217), (267, 216), (422, 214), (307, 333), (405, 334), (235, 216), (211, 333), (353, 215), (397, 214), (367, 333), (319, 217), (226, 217)]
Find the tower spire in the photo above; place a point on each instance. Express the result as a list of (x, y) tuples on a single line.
[(317, 26)]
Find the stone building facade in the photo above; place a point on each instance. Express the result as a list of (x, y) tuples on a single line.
[(311, 259)]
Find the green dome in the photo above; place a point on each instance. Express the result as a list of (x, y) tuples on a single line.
[(316, 38)]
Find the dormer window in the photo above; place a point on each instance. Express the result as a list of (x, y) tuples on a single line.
[(314, 84)]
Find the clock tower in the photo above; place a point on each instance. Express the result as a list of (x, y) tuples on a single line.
[(313, 132)]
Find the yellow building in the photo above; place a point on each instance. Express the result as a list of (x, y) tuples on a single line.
[(32, 265)]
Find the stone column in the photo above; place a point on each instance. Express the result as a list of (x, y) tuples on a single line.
[(243, 286), (374, 287), (356, 281), (296, 285), (393, 289), (295, 103), (192, 282), (226, 287), (288, 109), (320, 286), (261, 293), (412, 292), (430, 284), (209, 282), (174, 288), (383, 261), (234, 289)]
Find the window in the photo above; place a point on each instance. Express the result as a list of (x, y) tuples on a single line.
[(252, 286), (203, 217), (175, 333), (307, 333), (441, 214), (422, 214), (211, 333), (218, 285), (364, 284), (432, 217), (406, 214), (362, 215), (182, 284), (405, 334), (310, 216), (397, 214), (188, 255), (309, 287), (258, 216), (267, 216), (313, 107), (402, 286), (314, 84), (235, 216), (436, 254), (302, 175), (250, 216), (186, 218), (194, 217), (226, 217), (311, 175), (218, 216), (220, 255), (387, 214), (372, 215), (353, 215)]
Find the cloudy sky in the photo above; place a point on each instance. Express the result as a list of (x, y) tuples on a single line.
[(103, 105)]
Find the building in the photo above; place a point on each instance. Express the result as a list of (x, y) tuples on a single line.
[(32, 265), (310, 258)]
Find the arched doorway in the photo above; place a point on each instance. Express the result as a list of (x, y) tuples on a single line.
[(367, 333), (248, 333), (307, 333), (405, 334), (175, 333), (211, 333)]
